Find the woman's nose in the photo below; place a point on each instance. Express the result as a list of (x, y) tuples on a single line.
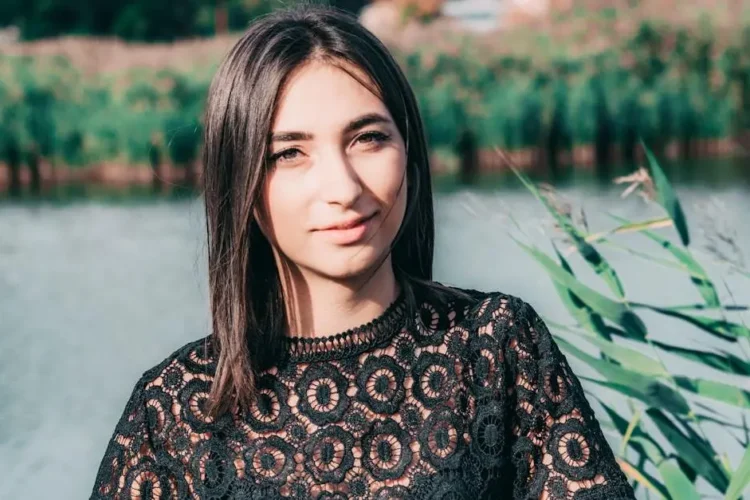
[(339, 182)]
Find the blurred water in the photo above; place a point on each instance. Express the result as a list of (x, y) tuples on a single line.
[(93, 294)]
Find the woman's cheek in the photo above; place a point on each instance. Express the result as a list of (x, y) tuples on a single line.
[(282, 206), (386, 174)]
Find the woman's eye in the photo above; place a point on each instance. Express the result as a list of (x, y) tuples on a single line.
[(286, 155), (373, 138)]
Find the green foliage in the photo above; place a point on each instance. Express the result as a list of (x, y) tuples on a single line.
[(665, 434), (647, 87), (183, 140), (147, 20)]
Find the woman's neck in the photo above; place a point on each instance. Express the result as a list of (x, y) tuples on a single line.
[(318, 306)]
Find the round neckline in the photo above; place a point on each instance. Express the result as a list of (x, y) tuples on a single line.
[(351, 342)]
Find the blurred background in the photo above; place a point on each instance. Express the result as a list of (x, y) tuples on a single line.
[(589, 156)]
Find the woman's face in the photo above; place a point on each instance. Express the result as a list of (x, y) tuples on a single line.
[(335, 193)]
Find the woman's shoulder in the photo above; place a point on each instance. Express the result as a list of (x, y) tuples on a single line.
[(446, 307), (471, 305), (193, 359)]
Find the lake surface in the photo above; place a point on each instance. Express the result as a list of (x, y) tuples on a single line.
[(94, 293)]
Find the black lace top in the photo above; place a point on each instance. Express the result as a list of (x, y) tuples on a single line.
[(472, 400)]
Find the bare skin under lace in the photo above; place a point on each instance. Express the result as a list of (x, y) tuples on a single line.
[(472, 399)]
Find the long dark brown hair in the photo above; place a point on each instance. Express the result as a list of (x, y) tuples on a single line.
[(247, 304)]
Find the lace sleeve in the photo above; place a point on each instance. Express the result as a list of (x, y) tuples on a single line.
[(558, 449), (133, 467)]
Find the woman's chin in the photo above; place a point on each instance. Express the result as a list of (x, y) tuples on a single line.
[(348, 265)]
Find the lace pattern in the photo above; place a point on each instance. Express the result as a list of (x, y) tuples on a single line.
[(470, 400)]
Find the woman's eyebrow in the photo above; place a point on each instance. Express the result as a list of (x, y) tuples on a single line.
[(356, 124)]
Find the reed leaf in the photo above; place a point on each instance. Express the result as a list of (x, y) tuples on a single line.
[(715, 390), (630, 227), (585, 316), (587, 251), (705, 307), (677, 483), (639, 441), (740, 478), (667, 197), (692, 449), (629, 431), (629, 358), (632, 383), (698, 275), (723, 329), (617, 312), (650, 392), (725, 362), (642, 477)]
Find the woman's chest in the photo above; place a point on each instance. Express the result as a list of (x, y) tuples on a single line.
[(399, 423)]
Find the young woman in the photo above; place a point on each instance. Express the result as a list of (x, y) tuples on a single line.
[(336, 368)]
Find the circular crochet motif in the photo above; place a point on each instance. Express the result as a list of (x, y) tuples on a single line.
[(152, 481), (485, 365), (385, 449), (159, 416), (571, 451), (299, 488), (488, 434), (556, 386), (270, 460), (328, 454), (433, 375), (180, 443), (322, 393), (441, 439), (242, 489), (296, 433), (173, 380), (356, 421), (527, 458), (457, 337), (200, 360), (431, 325), (194, 402), (270, 410), (392, 493), (212, 468), (381, 383), (358, 485), (411, 416)]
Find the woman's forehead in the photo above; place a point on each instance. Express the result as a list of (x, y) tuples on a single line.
[(320, 94)]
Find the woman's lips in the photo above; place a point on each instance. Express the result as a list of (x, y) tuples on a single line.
[(350, 232)]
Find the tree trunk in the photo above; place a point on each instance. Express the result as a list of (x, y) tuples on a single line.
[(34, 170), (221, 17), (154, 156), (13, 155), (468, 154)]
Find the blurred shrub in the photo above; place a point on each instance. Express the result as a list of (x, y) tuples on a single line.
[(143, 20), (660, 84)]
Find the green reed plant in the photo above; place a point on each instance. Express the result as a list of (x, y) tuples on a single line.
[(662, 447), (663, 84)]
